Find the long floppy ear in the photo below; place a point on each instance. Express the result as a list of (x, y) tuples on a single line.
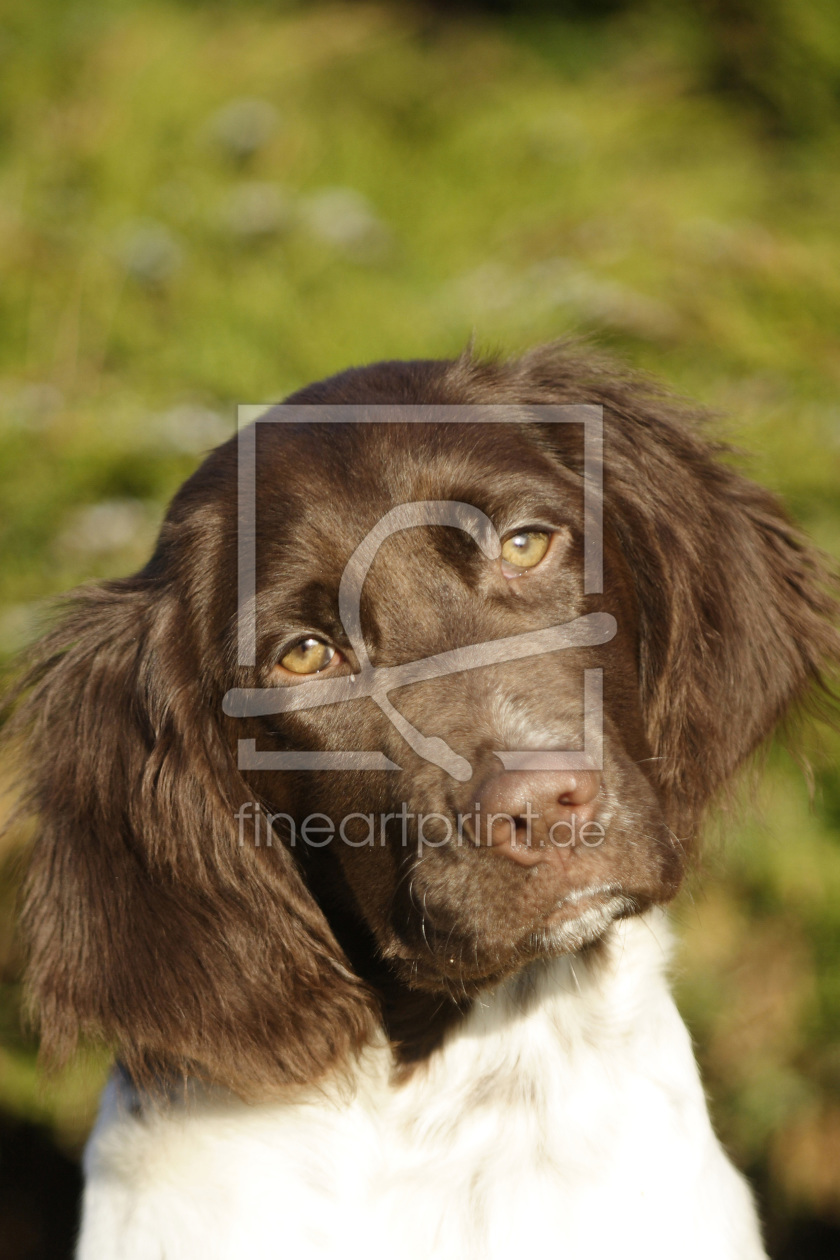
[(148, 924), (738, 614)]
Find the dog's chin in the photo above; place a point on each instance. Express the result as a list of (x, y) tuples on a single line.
[(578, 921), (582, 918)]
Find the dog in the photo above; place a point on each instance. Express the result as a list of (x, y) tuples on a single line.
[(388, 977)]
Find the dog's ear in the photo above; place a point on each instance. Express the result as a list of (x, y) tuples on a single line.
[(149, 925), (738, 614)]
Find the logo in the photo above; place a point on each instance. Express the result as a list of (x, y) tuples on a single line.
[(375, 683)]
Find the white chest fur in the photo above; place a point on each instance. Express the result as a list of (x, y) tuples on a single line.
[(565, 1114)]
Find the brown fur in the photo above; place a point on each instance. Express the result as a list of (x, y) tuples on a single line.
[(151, 927)]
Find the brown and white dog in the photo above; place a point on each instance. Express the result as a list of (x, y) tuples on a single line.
[(414, 1006)]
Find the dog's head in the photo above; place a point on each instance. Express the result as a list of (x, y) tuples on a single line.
[(521, 758)]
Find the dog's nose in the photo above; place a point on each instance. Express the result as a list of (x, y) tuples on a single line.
[(524, 814)]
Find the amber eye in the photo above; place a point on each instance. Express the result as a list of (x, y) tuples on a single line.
[(525, 550), (309, 656)]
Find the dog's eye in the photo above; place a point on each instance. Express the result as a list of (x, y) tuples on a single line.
[(309, 656), (525, 550)]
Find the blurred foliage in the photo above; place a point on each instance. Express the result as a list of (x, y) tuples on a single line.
[(203, 204), (781, 56)]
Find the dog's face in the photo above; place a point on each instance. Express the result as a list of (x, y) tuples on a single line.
[(460, 873), (157, 921)]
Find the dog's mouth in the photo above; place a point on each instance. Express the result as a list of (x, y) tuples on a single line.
[(579, 901), (546, 876), (584, 915), (580, 919)]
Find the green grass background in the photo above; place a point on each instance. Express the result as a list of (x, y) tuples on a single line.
[(203, 204)]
